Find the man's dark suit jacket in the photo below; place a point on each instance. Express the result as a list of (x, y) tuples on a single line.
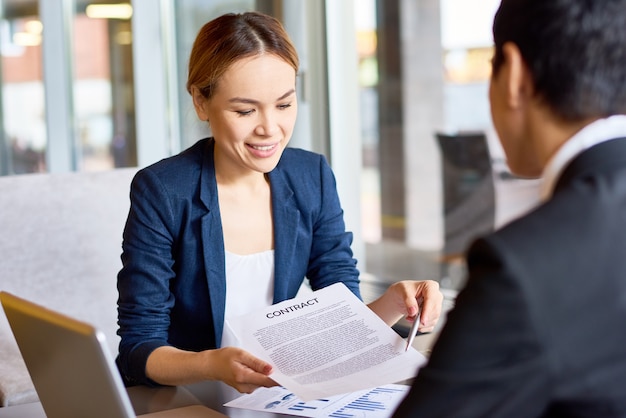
[(540, 328), (173, 283)]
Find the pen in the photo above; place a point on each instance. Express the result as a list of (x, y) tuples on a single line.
[(413, 330)]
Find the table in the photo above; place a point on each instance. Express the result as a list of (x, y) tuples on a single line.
[(212, 394), (147, 402)]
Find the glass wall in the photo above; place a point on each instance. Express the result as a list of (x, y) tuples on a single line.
[(75, 110), (24, 139), (103, 87), (423, 73), (87, 89)]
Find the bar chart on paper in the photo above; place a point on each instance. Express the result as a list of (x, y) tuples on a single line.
[(379, 402)]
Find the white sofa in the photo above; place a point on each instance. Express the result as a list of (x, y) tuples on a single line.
[(60, 243)]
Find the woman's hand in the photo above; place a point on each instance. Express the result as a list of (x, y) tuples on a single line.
[(404, 299), (240, 369), (236, 367)]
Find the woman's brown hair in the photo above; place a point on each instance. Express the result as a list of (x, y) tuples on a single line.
[(231, 37)]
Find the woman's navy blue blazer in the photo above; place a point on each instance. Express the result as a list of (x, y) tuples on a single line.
[(172, 286)]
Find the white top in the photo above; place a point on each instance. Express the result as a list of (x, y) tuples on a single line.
[(599, 131), (249, 286)]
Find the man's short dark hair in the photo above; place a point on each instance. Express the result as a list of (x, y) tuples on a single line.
[(575, 50)]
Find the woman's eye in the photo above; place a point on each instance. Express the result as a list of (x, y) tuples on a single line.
[(284, 106), (244, 112)]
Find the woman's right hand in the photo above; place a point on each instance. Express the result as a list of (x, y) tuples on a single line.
[(240, 369), (234, 366)]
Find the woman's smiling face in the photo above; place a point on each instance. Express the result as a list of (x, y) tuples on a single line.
[(252, 113)]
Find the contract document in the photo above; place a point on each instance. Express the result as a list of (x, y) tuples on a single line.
[(326, 343)]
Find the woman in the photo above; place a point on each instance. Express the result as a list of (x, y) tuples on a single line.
[(236, 221)]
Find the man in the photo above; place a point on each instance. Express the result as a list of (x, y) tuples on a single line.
[(540, 328)]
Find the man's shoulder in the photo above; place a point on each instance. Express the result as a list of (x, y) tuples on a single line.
[(577, 219)]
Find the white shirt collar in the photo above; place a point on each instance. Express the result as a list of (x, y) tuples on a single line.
[(596, 132)]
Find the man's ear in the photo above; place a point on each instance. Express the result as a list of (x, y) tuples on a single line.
[(519, 83), (199, 103)]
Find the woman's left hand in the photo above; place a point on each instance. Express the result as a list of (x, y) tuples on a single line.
[(406, 298)]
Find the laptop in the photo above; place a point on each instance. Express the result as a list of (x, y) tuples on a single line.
[(70, 365)]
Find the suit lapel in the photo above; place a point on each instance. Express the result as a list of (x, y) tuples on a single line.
[(213, 243), (286, 218)]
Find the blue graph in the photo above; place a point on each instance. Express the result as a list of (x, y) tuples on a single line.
[(375, 400), (303, 406)]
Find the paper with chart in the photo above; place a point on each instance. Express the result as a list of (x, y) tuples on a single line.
[(326, 343), (380, 402)]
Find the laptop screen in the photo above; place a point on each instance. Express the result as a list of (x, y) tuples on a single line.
[(68, 361)]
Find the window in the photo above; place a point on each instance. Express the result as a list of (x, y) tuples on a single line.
[(24, 139), (423, 70), (74, 111)]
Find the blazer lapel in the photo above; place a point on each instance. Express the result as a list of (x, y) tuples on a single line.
[(213, 243), (286, 218)]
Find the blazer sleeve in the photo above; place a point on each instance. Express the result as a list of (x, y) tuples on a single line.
[(487, 361), (145, 300)]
